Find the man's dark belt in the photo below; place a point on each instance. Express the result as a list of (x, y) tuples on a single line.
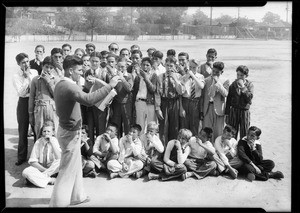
[(210, 102), (169, 99), (142, 99), (192, 99)]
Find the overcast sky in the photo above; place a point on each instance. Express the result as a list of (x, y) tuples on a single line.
[(256, 13)]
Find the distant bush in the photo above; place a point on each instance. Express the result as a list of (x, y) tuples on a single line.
[(134, 32), (29, 27)]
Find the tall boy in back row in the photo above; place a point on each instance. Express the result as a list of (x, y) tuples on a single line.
[(214, 97)]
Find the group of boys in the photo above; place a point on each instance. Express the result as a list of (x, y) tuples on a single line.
[(165, 119)]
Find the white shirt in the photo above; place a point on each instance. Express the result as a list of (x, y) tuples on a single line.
[(129, 149), (148, 146), (187, 82), (225, 148), (103, 146), (160, 69), (22, 84), (142, 93), (38, 149), (197, 151)]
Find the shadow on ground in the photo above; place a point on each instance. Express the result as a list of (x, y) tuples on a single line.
[(9, 131), (26, 202)]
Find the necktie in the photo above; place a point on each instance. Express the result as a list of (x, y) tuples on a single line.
[(45, 153), (193, 92)]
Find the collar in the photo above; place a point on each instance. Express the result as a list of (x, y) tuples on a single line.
[(69, 80)]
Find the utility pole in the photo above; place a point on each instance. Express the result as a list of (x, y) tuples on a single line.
[(238, 14), (210, 21), (287, 11)]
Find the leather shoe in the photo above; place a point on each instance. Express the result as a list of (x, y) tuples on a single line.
[(18, 163), (276, 175)]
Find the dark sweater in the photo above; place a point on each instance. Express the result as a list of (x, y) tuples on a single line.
[(242, 101), (246, 155), (34, 65), (68, 97)]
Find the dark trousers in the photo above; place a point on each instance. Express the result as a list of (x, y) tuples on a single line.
[(96, 120), (169, 126), (240, 120), (265, 166), (200, 167), (122, 116), (23, 124), (192, 115)]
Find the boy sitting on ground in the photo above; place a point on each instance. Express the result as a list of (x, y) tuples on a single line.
[(44, 159)]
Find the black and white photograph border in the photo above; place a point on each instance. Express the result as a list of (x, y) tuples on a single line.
[(269, 59)]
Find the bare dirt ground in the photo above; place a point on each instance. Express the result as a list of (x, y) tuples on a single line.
[(270, 70)]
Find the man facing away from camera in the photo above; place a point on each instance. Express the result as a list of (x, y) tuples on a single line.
[(68, 189)]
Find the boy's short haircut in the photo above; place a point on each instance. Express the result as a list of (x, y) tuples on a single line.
[(123, 49), (151, 49), (90, 45), (158, 54), (219, 65), (48, 123), (137, 127), (71, 61), (256, 130), (56, 50), (113, 125), (185, 134), (104, 52), (230, 129), (137, 52), (121, 60), (85, 55), (195, 62), (212, 50), (135, 46), (146, 59), (48, 60), (20, 57), (243, 69), (152, 125), (66, 45), (208, 131), (87, 73), (80, 49), (111, 55), (171, 52), (171, 59), (184, 54), (37, 46), (96, 54)]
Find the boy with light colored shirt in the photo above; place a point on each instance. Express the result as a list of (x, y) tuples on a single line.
[(198, 163), (44, 159), (128, 162), (22, 82), (194, 83), (106, 147), (143, 94), (153, 147), (206, 68), (226, 149), (157, 57)]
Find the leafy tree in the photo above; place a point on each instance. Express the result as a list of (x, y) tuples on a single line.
[(171, 17), (224, 18), (200, 18), (271, 18), (122, 20), (69, 18), (147, 15), (95, 18)]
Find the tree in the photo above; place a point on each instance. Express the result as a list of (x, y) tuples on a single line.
[(171, 17), (224, 19), (147, 15), (122, 20), (200, 18), (69, 18), (95, 18), (271, 18)]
